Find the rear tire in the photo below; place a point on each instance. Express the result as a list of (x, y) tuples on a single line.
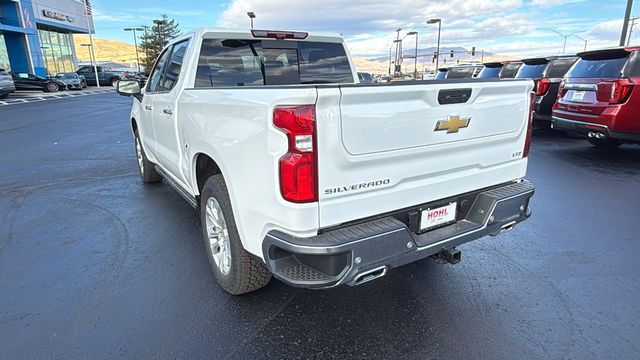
[(146, 168), (236, 270), (605, 143)]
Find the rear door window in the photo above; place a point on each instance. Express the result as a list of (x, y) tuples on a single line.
[(461, 72), (531, 71), (558, 67), (490, 72), (441, 75), (509, 71), (598, 68), (233, 62)]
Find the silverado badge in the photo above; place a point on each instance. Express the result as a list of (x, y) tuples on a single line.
[(453, 124)]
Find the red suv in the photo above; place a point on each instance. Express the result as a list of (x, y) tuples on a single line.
[(597, 97)]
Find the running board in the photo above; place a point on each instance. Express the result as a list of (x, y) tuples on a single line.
[(182, 192)]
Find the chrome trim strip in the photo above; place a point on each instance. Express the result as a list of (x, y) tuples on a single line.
[(580, 122), (582, 87)]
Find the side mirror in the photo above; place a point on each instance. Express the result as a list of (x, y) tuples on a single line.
[(128, 88)]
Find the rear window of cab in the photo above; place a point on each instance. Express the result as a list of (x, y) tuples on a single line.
[(234, 62)]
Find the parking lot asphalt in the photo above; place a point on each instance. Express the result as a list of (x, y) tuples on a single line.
[(94, 264)]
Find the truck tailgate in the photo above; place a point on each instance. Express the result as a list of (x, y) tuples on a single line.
[(400, 145)]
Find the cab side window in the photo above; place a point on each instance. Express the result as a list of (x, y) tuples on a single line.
[(154, 84), (174, 66)]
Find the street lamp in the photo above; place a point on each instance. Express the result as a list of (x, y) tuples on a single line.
[(439, 22), (633, 23), (415, 59), (583, 39), (390, 47), (251, 16), (565, 36), (135, 42)]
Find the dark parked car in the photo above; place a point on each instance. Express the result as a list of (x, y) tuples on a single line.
[(6, 84), (599, 97), (365, 78), (72, 80), (28, 81), (547, 73), (106, 75), (441, 74), (510, 69)]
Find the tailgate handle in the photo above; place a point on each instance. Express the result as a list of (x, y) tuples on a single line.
[(455, 96)]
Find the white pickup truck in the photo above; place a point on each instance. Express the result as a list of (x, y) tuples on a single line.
[(301, 173)]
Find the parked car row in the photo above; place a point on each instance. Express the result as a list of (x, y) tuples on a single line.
[(10, 82), (590, 94)]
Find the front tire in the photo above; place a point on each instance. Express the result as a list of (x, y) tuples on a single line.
[(146, 168), (236, 271), (52, 87), (114, 82), (605, 143)]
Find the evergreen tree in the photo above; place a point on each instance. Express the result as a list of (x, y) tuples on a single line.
[(156, 38)]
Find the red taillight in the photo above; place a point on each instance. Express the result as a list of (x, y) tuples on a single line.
[(542, 86), (298, 167), (620, 91), (527, 141), (279, 34), (561, 90)]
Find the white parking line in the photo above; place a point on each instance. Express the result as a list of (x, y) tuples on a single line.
[(35, 98)]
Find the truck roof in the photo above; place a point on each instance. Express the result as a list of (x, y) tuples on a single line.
[(216, 32)]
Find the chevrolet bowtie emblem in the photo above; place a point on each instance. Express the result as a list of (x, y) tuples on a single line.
[(453, 124)]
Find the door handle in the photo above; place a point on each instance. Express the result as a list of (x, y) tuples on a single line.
[(168, 111), (148, 107)]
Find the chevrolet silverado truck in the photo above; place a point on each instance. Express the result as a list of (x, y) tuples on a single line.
[(301, 173)]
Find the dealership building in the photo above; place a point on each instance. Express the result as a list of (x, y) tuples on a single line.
[(36, 35)]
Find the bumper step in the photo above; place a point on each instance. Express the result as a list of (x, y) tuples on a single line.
[(358, 252)]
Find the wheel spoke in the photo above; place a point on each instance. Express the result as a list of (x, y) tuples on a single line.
[(217, 236)]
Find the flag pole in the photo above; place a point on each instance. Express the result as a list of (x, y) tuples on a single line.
[(89, 12)]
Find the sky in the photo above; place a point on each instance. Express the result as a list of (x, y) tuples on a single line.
[(507, 27)]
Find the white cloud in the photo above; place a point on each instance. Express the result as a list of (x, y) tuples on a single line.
[(553, 3)]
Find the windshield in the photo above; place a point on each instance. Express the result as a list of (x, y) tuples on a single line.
[(598, 68), (531, 71), (490, 72), (66, 76)]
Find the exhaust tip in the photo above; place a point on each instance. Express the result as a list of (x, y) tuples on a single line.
[(370, 275)]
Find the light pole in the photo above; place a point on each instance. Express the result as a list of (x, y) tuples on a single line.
[(135, 42), (415, 59), (633, 23), (90, 47), (439, 22), (251, 16), (390, 47), (398, 43), (583, 39), (565, 36), (625, 24)]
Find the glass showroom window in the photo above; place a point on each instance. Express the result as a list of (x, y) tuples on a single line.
[(56, 49), (4, 55)]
